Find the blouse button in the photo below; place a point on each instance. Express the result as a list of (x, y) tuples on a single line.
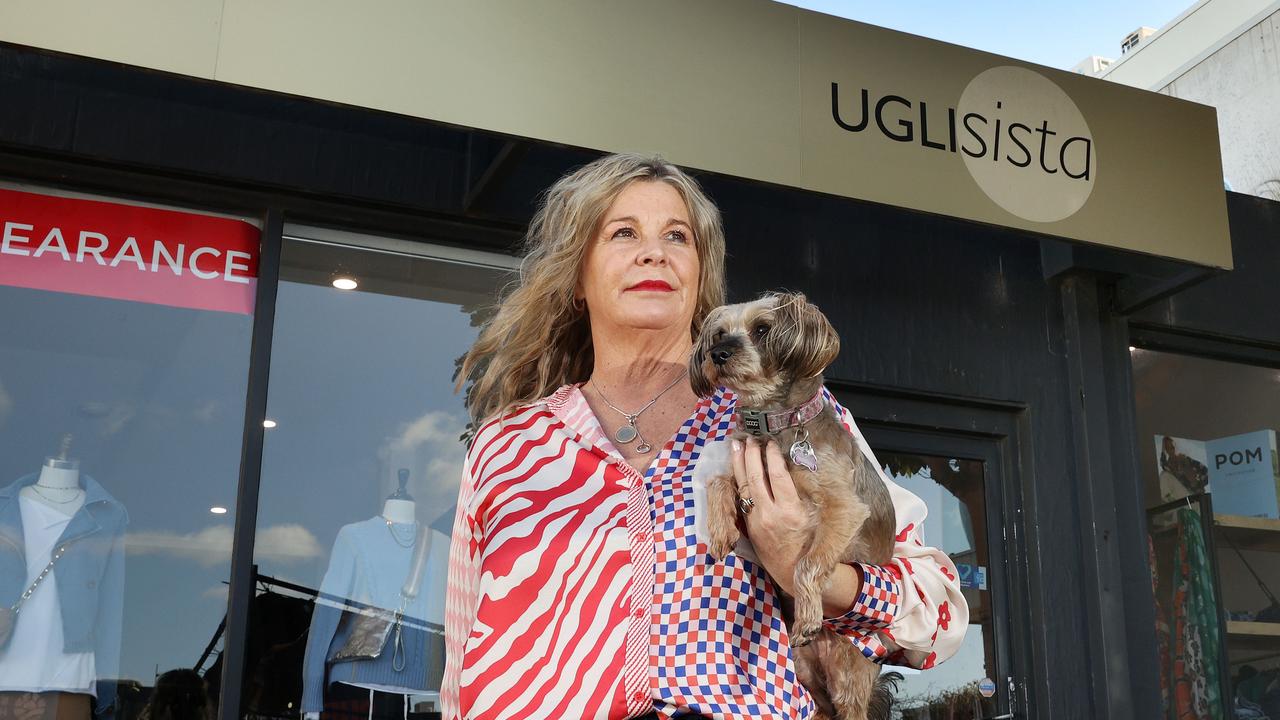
[(639, 613), (637, 696)]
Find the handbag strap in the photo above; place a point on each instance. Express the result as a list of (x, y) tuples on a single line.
[(421, 549), (39, 579)]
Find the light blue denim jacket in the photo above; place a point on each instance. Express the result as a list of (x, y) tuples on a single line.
[(89, 576)]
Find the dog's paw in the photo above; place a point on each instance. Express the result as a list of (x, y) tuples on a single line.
[(720, 547), (803, 633)]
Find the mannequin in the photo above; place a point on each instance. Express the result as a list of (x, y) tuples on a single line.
[(58, 487), (371, 561), (399, 506), (67, 634)]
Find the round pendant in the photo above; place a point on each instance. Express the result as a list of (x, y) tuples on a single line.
[(625, 434), (643, 447)]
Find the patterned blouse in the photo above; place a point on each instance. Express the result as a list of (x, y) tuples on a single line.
[(578, 587)]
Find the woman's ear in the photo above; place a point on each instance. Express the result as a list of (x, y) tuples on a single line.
[(804, 340)]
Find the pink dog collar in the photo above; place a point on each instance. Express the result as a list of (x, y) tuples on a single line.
[(759, 422)]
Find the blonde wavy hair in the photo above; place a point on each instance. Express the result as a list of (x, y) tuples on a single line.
[(537, 340)]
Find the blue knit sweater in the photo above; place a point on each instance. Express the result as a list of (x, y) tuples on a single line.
[(369, 567)]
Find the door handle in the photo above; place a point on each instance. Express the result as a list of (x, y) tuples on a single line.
[(1006, 716)]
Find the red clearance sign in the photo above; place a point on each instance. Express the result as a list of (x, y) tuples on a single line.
[(126, 252)]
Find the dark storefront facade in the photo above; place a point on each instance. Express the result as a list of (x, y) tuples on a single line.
[(246, 431)]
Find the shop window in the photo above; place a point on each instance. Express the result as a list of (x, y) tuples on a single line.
[(124, 356), (1207, 442), (954, 491), (360, 475)]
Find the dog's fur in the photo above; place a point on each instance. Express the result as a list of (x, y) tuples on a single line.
[(779, 345)]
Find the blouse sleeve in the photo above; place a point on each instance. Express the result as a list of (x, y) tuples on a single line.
[(462, 594), (915, 600)]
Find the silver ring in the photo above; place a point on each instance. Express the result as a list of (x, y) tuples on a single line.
[(745, 504)]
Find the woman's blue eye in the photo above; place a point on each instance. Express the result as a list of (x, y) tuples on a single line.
[(677, 236), (623, 232)]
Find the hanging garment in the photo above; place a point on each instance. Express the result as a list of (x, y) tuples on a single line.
[(1163, 632), (1197, 643)]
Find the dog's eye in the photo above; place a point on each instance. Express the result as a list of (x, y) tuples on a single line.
[(761, 330)]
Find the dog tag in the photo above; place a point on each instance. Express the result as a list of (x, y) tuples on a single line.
[(802, 455)]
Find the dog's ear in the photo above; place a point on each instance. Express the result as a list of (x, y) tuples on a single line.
[(801, 339), (697, 378)]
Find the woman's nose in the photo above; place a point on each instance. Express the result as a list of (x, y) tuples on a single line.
[(653, 253)]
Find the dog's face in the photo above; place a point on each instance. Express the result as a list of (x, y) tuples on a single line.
[(759, 349)]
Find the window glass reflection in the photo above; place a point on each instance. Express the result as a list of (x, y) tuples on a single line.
[(120, 427), (954, 492), (360, 479), (1211, 479)]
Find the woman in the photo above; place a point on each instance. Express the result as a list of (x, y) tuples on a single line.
[(577, 586)]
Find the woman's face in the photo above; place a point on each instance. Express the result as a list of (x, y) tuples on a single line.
[(641, 270)]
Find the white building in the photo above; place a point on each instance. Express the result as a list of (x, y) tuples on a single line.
[(1221, 53), (1132, 40), (1093, 66)]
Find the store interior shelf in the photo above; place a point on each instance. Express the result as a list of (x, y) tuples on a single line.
[(1254, 630), (1252, 641), (1250, 533)]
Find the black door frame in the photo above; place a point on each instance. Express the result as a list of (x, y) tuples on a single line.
[(995, 433)]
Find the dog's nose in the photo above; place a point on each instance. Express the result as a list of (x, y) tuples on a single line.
[(721, 354)]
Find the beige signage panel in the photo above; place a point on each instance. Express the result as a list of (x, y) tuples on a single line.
[(1152, 181), (710, 83), (740, 87)]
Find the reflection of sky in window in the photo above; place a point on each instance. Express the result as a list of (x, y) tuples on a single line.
[(361, 387), (154, 397), (948, 527)]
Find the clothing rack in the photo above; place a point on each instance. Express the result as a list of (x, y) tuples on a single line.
[(258, 579)]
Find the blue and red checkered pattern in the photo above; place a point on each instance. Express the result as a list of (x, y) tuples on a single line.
[(875, 609), (876, 606), (719, 645)]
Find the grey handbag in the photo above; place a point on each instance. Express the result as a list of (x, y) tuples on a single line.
[(370, 627)]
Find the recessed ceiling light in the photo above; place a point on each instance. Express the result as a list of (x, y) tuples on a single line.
[(268, 423), (1132, 348), (218, 510), (344, 283)]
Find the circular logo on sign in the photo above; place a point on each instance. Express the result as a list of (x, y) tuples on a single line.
[(1026, 144)]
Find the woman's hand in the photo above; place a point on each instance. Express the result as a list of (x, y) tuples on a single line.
[(776, 525)]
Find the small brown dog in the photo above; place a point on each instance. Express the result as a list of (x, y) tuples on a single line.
[(771, 353)]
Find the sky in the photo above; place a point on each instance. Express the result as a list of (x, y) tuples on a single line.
[(1056, 34)]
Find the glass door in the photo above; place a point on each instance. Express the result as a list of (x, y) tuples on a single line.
[(957, 478), (360, 473)]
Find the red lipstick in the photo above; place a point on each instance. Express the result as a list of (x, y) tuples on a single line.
[(657, 285)]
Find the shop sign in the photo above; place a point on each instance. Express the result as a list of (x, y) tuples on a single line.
[(748, 88), (127, 252)]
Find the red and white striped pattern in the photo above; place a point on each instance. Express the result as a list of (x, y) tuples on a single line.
[(570, 576)]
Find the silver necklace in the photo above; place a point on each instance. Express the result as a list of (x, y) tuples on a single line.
[(629, 432), (396, 537), (75, 495)]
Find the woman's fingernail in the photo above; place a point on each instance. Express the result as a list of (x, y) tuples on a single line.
[(737, 445)]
